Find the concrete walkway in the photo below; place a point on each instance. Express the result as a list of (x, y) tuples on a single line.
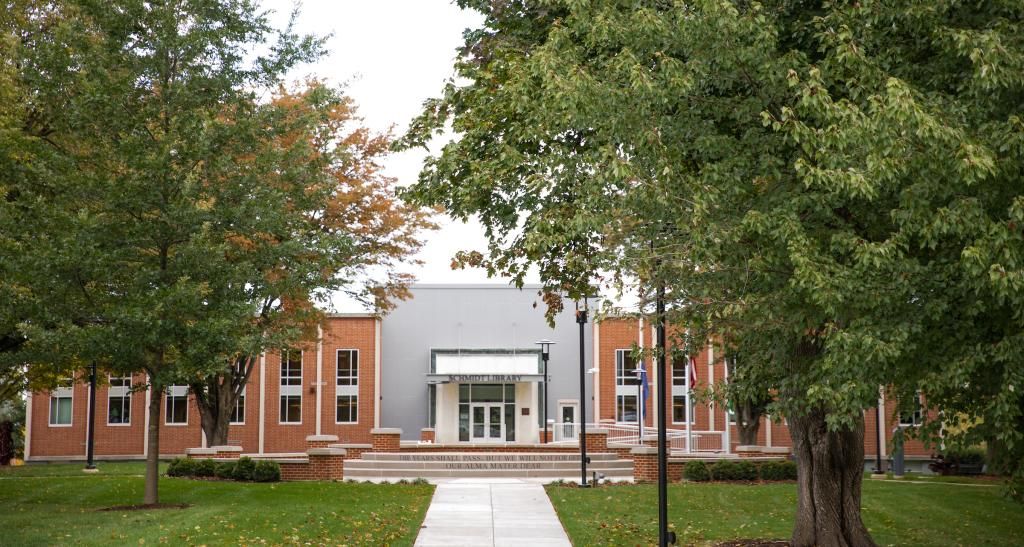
[(495, 512)]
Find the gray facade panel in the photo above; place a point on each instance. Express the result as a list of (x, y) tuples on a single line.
[(472, 317)]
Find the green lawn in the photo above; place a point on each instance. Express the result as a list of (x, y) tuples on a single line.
[(57, 504), (896, 513)]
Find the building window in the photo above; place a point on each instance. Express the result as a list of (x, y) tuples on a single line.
[(626, 390), (60, 404), (291, 387), (119, 401), (912, 418), (347, 387), (177, 406), (683, 404), (238, 413)]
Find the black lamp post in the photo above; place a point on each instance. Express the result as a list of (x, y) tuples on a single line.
[(91, 439), (581, 319), (545, 352), (878, 440), (665, 536)]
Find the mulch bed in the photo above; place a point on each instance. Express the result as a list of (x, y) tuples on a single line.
[(147, 507), (754, 543)]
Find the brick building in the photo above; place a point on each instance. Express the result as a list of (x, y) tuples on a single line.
[(459, 361)]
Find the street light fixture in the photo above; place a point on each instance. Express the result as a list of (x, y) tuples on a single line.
[(581, 319), (545, 352), (90, 441)]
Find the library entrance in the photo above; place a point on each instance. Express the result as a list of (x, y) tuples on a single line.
[(488, 425)]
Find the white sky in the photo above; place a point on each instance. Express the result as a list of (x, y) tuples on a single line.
[(393, 55)]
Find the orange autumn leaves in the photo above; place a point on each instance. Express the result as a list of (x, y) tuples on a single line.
[(329, 167)]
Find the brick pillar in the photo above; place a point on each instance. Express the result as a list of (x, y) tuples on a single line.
[(386, 439), (754, 451), (320, 441), (326, 463), (353, 451), (427, 434), (597, 440), (226, 452), (645, 464), (214, 452)]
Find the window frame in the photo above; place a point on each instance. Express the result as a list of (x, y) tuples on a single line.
[(62, 391), (239, 404), (292, 389), (627, 385), (349, 390), (682, 391), (168, 395), (916, 416), (122, 392)]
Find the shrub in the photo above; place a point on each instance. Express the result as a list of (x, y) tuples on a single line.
[(973, 455), (778, 471), (182, 467), (205, 468), (225, 470), (244, 468), (727, 470), (696, 471), (266, 471), (174, 468)]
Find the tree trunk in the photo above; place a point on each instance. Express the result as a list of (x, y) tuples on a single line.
[(748, 423), (152, 495), (215, 420), (830, 469), (6, 442), (216, 398)]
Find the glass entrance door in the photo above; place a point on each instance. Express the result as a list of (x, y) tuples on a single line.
[(488, 423)]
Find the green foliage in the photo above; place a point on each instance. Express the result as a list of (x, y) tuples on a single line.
[(778, 471), (182, 467), (205, 468), (971, 455), (244, 469), (733, 470), (224, 470), (696, 471), (266, 471), (833, 190)]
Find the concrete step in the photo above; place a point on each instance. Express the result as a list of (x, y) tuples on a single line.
[(396, 465), (536, 465), (481, 473), (484, 456)]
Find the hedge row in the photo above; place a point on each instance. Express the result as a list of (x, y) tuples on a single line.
[(244, 469), (740, 470)]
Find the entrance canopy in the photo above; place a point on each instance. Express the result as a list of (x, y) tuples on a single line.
[(484, 366)]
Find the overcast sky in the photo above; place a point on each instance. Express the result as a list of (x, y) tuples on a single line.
[(393, 55)]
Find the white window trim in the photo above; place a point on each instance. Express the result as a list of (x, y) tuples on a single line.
[(167, 395), (62, 393), (119, 392), (916, 416), (241, 397), (683, 391), (347, 391), (289, 390)]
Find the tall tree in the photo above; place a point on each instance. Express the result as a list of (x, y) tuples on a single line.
[(359, 206), (137, 114), (826, 182)]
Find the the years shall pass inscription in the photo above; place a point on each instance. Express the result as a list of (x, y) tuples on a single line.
[(491, 458)]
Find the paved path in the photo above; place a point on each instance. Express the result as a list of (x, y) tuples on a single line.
[(497, 512)]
